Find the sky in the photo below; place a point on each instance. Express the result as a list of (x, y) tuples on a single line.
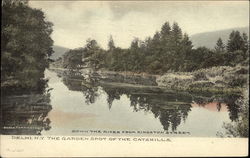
[(76, 21)]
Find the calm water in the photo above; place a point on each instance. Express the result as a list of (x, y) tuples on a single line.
[(75, 106)]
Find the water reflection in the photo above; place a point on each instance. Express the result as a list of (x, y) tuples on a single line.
[(25, 114), (114, 106), (233, 107), (224, 102), (171, 108)]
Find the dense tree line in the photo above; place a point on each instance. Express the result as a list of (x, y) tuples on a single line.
[(26, 46), (169, 50)]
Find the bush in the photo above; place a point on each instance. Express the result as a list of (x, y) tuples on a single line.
[(238, 81), (200, 75)]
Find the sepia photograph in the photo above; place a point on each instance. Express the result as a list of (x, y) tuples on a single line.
[(124, 78)]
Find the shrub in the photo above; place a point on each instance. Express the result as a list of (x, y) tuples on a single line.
[(200, 75), (238, 81)]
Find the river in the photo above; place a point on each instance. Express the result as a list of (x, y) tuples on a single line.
[(78, 107)]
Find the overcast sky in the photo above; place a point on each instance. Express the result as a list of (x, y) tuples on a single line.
[(76, 21)]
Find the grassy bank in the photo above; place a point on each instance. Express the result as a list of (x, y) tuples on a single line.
[(219, 79), (222, 79)]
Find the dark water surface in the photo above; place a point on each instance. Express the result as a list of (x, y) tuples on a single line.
[(76, 106)]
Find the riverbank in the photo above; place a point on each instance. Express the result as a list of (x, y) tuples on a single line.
[(222, 79)]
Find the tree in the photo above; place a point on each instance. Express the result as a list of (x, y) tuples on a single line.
[(176, 34), (26, 45), (186, 41), (246, 44), (111, 44), (167, 51), (171, 55), (73, 58), (165, 31), (93, 54), (198, 58), (134, 44), (219, 45), (156, 42), (90, 48), (135, 55), (185, 49), (91, 45), (235, 42)]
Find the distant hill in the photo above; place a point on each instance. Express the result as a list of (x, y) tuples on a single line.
[(209, 39), (58, 52)]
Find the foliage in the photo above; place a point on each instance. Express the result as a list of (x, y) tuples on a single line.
[(216, 79), (219, 45), (169, 50), (26, 45), (239, 128), (235, 42), (72, 58)]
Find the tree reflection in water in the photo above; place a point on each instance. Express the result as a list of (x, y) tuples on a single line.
[(171, 108), (89, 89), (233, 107), (164, 106), (25, 114), (231, 103)]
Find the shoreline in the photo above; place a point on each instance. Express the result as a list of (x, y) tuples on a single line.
[(197, 81)]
